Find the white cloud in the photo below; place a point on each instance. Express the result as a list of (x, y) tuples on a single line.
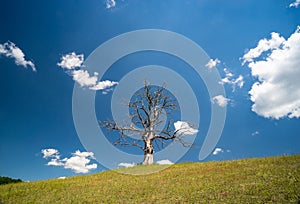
[(184, 128), (126, 165), (84, 154), (228, 73), (106, 91), (55, 162), (255, 133), (101, 85), (71, 61), (220, 100), (276, 94), (295, 4), (10, 50), (83, 77), (50, 153), (79, 162), (217, 151), (212, 63), (229, 79), (110, 4), (165, 161), (62, 177), (263, 45), (295, 113)]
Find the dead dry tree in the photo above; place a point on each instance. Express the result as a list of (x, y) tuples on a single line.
[(149, 111)]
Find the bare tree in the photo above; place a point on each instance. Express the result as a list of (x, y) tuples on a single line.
[(149, 123)]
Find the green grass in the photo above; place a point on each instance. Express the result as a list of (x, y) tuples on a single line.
[(266, 180)]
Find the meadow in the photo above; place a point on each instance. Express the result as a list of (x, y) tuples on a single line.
[(257, 180)]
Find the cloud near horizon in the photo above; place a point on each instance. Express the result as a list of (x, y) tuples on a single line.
[(219, 150), (74, 63), (164, 162), (79, 162), (126, 165), (276, 92), (10, 50)]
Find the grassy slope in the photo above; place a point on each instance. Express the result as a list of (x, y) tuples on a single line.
[(275, 179)]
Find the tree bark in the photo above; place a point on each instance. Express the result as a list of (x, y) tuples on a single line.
[(148, 153)]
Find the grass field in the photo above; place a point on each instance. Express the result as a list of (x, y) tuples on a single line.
[(265, 180)]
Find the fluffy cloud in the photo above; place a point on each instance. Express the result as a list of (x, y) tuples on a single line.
[(220, 100), (212, 63), (110, 4), (165, 161), (101, 85), (184, 128), (79, 162), (84, 154), (217, 151), (263, 45), (55, 162), (10, 50), (126, 165), (50, 153), (295, 4), (234, 82), (83, 78), (73, 62), (276, 94)]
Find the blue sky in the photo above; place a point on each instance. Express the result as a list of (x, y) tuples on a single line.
[(260, 77)]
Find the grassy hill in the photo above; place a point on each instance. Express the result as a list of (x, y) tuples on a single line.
[(266, 180)]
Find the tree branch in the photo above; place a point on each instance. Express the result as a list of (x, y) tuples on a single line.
[(146, 111)]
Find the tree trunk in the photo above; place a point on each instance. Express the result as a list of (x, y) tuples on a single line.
[(148, 153)]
